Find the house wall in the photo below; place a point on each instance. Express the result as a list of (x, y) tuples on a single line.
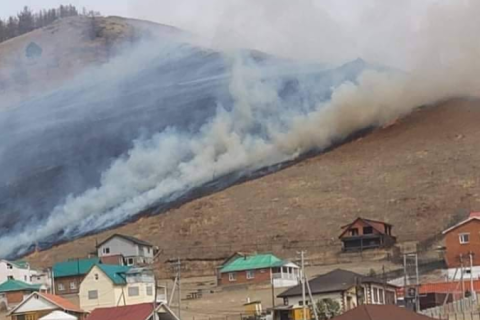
[(34, 315), (360, 224), (106, 295), (120, 246), (455, 249), (455, 274), (336, 296), (71, 285), (15, 297), (260, 275), (110, 295), (15, 272)]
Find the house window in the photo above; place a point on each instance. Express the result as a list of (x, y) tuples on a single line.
[(232, 276), (96, 276), (92, 295), (354, 232), (250, 274), (367, 230), (380, 293), (285, 301), (375, 295), (61, 287), (73, 285), (149, 291), (9, 266), (130, 261), (133, 292), (464, 238), (301, 302), (25, 278), (10, 278), (106, 250)]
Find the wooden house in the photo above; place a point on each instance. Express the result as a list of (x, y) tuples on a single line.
[(364, 234)]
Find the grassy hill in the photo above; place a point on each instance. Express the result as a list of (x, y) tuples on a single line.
[(419, 174)]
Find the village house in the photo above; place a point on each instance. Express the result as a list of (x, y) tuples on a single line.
[(364, 234), (39, 305), (13, 292), (143, 311), (109, 285), (381, 312), (462, 248), (19, 270), (69, 274), (348, 288), (249, 269), (133, 250)]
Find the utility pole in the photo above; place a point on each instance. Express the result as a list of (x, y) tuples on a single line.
[(273, 288), (179, 288), (302, 253), (472, 288)]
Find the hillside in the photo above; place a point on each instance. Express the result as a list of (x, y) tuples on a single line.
[(420, 174)]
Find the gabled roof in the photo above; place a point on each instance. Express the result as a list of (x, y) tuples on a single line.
[(125, 237), (380, 312), (18, 264), (372, 223), (141, 311), (259, 261), (70, 268), (60, 302), (166, 313), (58, 315), (335, 281), (16, 285), (115, 273), (472, 216)]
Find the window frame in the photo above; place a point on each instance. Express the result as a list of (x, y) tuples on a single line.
[(368, 228), (461, 239), (149, 291), (73, 285), (60, 286), (135, 293), (92, 296), (232, 276), (106, 250), (250, 274)]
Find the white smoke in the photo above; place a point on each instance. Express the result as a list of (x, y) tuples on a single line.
[(258, 132)]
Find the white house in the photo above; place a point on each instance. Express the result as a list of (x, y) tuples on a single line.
[(135, 251), (107, 286), (349, 289), (16, 271)]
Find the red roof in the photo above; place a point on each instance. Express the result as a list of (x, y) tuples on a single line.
[(133, 312), (446, 287), (380, 312), (474, 215), (61, 302)]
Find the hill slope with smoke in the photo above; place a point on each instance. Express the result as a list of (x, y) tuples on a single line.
[(167, 116)]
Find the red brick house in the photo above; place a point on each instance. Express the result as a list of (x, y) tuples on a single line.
[(364, 234), (249, 269), (462, 247)]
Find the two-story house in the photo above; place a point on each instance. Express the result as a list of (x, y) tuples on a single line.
[(364, 234), (69, 274), (348, 288), (111, 285), (133, 250), (16, 271), (462, 248)]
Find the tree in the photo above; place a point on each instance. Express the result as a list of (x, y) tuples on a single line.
[(3, 31), (26, 22), (327, 309), (12, 27)]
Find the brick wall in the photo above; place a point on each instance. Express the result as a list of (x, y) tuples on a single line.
[(15, 297), (260, 275), (455, 249), (66, 283)]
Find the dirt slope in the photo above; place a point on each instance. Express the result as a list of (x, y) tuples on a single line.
[(419, 174)]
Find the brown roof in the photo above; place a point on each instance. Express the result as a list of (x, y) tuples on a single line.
[(381, 312), (61, 302), (134, 312), (377, 225)]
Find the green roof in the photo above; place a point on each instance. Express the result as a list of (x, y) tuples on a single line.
[(73, 267), (21, 264), (16, 285), (260, 261), (114, 272)]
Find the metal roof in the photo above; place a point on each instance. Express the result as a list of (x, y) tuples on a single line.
[(128, 238), (260, 261), (115, 273), (334, 281), (74, 267), (381, 312), (16, 285)]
